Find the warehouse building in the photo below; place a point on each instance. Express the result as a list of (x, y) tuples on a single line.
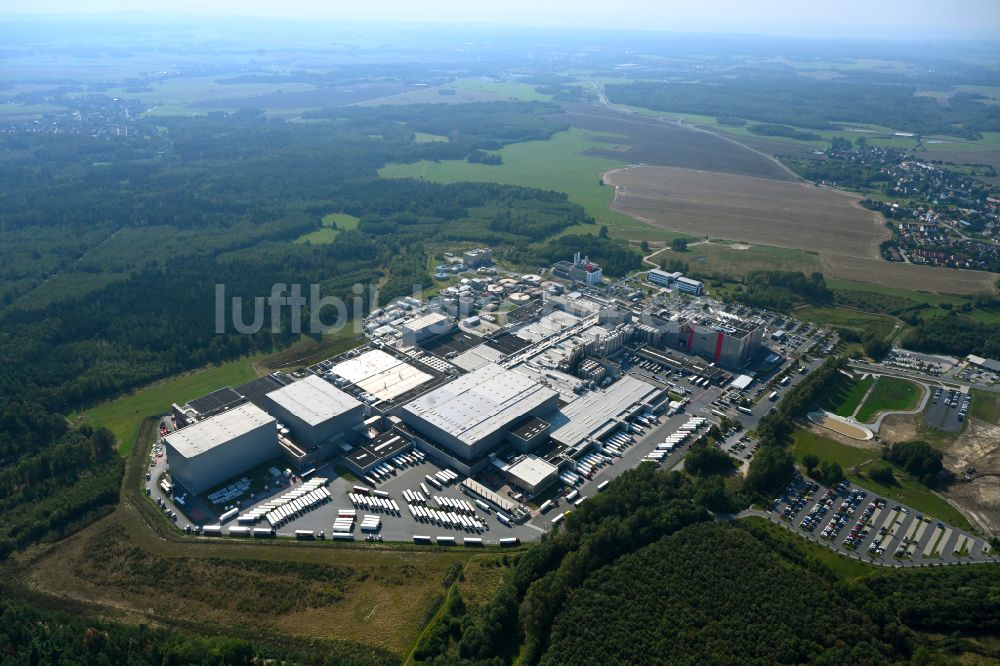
[(730, 343), (531, 474), (379, 377), (426, 326), (209, 452), (315, 410), (592, 417), (471, 416)]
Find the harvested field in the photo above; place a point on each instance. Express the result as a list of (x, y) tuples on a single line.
[(781, 213), (659, 143)]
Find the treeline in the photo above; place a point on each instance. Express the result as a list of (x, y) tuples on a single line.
[(789, 99), (641, 506), (639, 574), (52, 479), (953, 334), (615, 257), (784, 131), (138, 231), (31, 636), (773, 466), (712, 594), (919, 459), (781, 290)]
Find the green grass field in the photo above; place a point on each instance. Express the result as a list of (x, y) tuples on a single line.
[(853, 461), (736, 260), (124, 415), (848, 457), (889, 394), (985, 405), (424, 137), (328, 232), (522, 92), (880, 325), (557, 164), (847, 395)]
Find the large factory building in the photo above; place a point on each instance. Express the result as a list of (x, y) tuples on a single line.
[(729, 343), (315, 410), (471, 416), (206, 453)]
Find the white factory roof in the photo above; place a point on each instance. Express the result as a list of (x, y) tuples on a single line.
[(426, 321), (314, 400), (532, 470), (591, 414), (477, 357), (552, 323), (203, 436), (742, 382), (381, 374), (480, 403)]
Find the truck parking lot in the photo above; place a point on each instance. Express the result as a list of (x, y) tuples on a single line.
[(857, 523)]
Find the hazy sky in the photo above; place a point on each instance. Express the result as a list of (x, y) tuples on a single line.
[(844, 18)]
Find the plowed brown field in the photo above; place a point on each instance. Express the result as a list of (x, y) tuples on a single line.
[(783, 213)]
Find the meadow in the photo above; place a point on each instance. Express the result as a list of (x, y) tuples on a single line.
[(333, 224), (889, 394), (556, 164)]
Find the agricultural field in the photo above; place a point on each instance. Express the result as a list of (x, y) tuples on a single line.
[(736, 260), (778, 213), (462, 91), (749, 209), (889, 394), (556, 164), (649, 141)]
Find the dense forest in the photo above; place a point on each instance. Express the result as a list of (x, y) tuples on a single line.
[(786, 99), (641, 574), (114, 245), (780, 290)]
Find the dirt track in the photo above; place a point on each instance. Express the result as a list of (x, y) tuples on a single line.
[(782, 213)]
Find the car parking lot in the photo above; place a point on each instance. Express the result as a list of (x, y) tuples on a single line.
[(852, 520), (947, 409)]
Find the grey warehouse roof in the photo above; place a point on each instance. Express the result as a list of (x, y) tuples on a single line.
[(314, 400), (203, 436), (592, 413), (480, 403)]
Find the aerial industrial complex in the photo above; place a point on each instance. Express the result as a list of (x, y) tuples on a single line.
[(510, 383)]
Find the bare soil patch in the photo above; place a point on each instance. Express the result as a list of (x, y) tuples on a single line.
[(979, 447)]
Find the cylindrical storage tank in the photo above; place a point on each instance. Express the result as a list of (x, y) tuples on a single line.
[(531, 279), (519, 298)]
